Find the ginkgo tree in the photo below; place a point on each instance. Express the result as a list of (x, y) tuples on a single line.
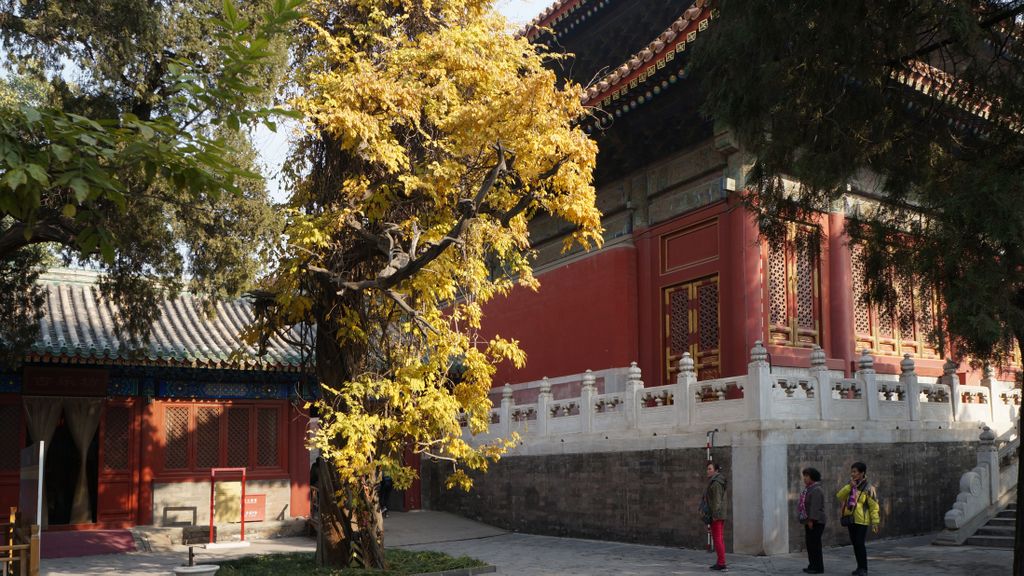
[(432, 136)]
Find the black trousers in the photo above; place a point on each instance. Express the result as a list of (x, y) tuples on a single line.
[(813, 535), (858, 535)]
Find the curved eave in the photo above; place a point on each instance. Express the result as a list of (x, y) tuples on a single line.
[(81, 357), (658, 53), (558, 12)]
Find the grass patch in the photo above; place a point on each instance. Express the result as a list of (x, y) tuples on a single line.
[(402, 563)]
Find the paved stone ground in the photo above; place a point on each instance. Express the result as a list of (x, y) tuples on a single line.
[(524, 554)]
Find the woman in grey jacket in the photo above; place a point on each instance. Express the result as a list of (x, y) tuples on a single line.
[(811, 513)]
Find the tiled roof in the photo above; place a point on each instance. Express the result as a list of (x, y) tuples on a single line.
[(78, 325)]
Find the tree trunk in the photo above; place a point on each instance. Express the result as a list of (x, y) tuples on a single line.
[(352, 528), (1018, 525), (333, 546)]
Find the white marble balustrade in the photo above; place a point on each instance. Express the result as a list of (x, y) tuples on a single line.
[(763, 395)]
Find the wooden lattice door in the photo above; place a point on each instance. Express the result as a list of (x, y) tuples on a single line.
[(116, 500), (794, 303), (692, 325)]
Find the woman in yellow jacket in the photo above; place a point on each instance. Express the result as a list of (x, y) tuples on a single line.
[(859, 510)]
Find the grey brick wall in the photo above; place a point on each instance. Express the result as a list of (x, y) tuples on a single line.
[(648, 497), (916, 482), (197, 494)]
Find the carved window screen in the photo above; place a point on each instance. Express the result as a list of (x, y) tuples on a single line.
[(794, 302), (266, 437), (238, 437), (691, 324), (10, 443), (905, 329), (116, 438), (176, 423), (203, 436)]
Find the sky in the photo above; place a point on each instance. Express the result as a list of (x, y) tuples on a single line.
[(273, 147)]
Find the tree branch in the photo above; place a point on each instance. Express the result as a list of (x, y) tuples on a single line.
[(14, 238)]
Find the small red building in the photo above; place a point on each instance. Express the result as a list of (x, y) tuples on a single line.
[(132, 437)]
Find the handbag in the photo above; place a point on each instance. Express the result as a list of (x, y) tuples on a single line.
[(846, 520)]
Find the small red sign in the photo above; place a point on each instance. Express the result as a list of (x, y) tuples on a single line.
[(255, 507)]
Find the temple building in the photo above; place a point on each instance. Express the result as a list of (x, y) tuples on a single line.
[(132, 436), (688, 337), (682, 268)]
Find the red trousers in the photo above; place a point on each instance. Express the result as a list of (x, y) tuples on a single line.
[(718, 537)]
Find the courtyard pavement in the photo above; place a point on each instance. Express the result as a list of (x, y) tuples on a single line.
[(524, 554)]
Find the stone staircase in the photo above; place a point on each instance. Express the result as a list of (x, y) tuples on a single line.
[(998, 533)]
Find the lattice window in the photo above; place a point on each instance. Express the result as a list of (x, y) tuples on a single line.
[(707, 323), (861, 311), (116, 429), (794, 310), (203, 436), (679, 321), (805, 306), (905, 310), (905, 328), (176, 431), (238, 437), (10, 442), (691, 325), (777, 285), (266, 437), (208, 437)]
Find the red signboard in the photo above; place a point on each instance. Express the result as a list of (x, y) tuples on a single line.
[(255, 507)]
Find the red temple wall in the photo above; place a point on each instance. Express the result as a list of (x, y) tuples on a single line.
[(583, 317)]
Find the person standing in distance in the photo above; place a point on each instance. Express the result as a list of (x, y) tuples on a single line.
[(810, 511), (860, 509), (714, 498)]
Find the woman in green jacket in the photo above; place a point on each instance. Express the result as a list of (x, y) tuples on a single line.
[(860, 504)]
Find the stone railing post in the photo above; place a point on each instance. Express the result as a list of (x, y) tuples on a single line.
[(988, 456), (686, 380), (911, 387), (949, 379), (505, 426), (989, 381), (868, 379), (543, 407), (587, 392), (822, 383), (758, 392), (631, 396)]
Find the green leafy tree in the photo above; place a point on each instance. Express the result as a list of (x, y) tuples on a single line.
[(434, 135), (121, 147), (916, 106)]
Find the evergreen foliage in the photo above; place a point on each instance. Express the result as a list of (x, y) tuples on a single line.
[(121, 148), (915, 107)]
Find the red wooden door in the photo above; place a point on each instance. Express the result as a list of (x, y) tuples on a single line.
[(692, 325), (118, 463)]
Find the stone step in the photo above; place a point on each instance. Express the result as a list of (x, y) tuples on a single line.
[(1002, 521), (991, 541), (1007, 514), (989, 530)]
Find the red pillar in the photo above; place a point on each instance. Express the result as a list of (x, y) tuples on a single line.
[(647, 327), (413, 495), (753, 302), (840, 311), (298, 462), (741, 308), (147, 427)]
